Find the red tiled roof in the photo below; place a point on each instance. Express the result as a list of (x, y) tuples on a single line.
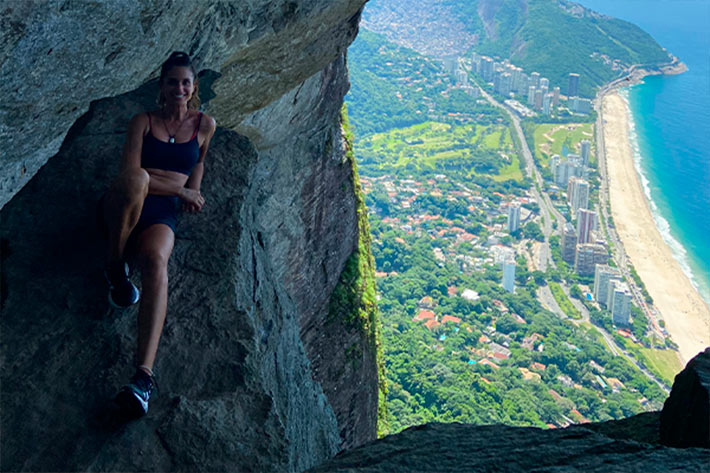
[(489, 363), (450, 318), (424, 315), (431, 324)]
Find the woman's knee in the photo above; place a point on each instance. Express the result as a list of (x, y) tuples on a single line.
[(154, 262), (132, 184)]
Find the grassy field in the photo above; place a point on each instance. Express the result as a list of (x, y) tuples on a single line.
[(511, 172), (482, 150), (563, 301), (663, 362), (550, 138)]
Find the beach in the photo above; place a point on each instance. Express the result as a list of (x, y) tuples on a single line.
[(686, 315)]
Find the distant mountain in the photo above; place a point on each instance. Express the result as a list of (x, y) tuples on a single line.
[(552, 37)]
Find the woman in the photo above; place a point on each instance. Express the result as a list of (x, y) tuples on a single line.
[(162, 165)]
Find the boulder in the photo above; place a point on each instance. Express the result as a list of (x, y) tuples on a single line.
[(451, 448), (685, 419)]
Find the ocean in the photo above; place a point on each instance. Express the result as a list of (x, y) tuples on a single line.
[(671, 127)]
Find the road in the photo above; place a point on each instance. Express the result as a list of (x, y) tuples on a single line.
[(547, 210), (615, 244)]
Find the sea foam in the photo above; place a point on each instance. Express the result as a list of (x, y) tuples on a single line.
[(680, 254)]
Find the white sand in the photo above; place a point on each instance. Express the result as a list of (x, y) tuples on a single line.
[(686, 315)]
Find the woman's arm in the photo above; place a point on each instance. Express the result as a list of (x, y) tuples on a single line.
[(208, 127)]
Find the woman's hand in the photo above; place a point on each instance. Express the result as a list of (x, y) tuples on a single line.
[(192, 200)]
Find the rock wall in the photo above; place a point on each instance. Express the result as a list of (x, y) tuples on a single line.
[(56, 56), (245, 382)]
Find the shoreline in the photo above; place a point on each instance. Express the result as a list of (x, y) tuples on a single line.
[(686, 315)]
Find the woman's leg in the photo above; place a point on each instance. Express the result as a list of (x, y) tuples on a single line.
[(122, 209), (155, 244)]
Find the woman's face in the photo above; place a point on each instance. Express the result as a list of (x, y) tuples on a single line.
[(178, 86)]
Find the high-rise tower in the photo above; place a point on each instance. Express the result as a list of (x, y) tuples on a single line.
[(573, 88)]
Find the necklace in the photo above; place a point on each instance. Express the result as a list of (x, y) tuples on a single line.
[(171, 136)]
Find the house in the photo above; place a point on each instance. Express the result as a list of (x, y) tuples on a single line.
[(470, 295), (431, 324), (500, 306), (424, 315), (538, 366), (615, 384), (529, 375), (579, 417), (484, 339), (450, 318), (499, 356), (496, 348), (564, 379), (486, 362), (555, 395), (452, 290), (597, 367), (427, 302)]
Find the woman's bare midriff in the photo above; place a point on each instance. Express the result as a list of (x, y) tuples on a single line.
[(171, 178)]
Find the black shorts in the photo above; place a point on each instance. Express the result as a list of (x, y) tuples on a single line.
[(156, 209)]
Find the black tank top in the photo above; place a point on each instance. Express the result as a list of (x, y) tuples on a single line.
[(178, 157)]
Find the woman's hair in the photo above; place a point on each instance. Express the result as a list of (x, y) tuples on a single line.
[(180, 59)]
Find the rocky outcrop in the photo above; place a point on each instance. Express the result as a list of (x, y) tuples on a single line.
[(641, 443), (685, 420), (448, 448), (244, 381), (57, 56)]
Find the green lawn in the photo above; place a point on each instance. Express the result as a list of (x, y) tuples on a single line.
[(663, 362), (549, 139), (563, 301), (511, 172), (471, 149)]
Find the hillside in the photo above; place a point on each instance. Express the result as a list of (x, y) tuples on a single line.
[(395, 86), (551, 37)]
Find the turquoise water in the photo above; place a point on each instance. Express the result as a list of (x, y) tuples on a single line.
[(671, 120)]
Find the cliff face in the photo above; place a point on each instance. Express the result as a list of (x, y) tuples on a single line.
[(257, 369)]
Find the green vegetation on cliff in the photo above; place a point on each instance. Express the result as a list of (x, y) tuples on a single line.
[(355, 293)]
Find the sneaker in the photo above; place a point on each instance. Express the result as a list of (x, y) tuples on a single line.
[(121, 292), (133, 398)]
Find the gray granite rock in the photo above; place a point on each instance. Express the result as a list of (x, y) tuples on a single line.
[(685, 419), (250, 281), (448, 448), (57, 56)]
